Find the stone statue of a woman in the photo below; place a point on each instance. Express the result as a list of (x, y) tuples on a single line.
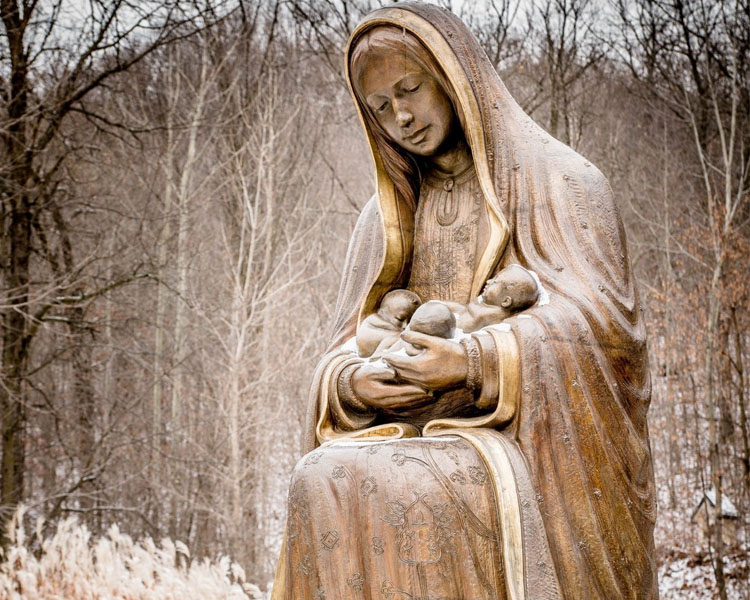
[(512, 462)]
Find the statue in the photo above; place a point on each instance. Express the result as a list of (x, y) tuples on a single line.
[(511, 461)]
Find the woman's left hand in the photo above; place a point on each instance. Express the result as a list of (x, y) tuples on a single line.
[(441, 364)]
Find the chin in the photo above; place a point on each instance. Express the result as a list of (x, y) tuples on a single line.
[(423, 153), (427, 150), (433, 146)]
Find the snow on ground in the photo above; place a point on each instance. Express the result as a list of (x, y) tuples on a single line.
[(72, 564), (692, 578)]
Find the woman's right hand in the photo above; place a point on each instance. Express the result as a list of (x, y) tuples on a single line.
[(377, 388)]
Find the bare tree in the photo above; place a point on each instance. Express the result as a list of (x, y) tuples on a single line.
[(54, 61), (694, 55)]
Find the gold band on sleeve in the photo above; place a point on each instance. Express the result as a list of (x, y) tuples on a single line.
[(474, 365), (345, 418), (488, 357), (346, 395), (509, 374)]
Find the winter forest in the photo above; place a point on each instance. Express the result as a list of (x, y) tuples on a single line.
[(179, 180)]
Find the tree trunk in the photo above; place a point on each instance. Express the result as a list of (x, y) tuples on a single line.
[(674, 453), (714, 304), (739, 368), (84, 405), (17, 209)]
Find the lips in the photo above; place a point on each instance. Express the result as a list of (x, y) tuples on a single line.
[(418, 136)]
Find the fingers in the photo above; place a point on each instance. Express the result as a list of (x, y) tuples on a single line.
[(384, 374), (398, 361), (378, 389), (379, 373), (412, 350), (408, 368), (403, 400), (409, 389), (410, 401), (397, 391), (418, 339)]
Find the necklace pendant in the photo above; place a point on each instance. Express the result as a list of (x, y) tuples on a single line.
[(446, 209)]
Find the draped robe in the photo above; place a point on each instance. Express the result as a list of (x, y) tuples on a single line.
[(564, 439)]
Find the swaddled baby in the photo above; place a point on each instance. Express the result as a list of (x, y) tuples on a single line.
[(512, 290)]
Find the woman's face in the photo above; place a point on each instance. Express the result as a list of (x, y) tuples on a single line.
[(409, 104)]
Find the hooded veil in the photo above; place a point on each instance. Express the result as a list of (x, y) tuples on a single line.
[(566, 440)]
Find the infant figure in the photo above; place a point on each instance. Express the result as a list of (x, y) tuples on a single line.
[(382, 329), (512, 290)]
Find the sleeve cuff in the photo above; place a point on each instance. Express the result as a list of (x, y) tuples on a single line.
[(489, 373), (349, 413), (473, 364)]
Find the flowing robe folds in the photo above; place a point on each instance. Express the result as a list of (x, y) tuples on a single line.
[(564, 439)]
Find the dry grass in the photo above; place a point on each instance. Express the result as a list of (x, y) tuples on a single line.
[(71, 565)]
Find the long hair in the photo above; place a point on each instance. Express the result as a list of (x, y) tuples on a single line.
[(401, 166)]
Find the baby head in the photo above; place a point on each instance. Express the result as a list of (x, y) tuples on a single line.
[(514, 288), (399, 305), (433, 318)]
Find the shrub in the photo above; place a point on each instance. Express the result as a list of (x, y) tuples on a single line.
[(71, 565)]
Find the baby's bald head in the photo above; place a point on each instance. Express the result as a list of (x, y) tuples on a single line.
[(433, 318), (514, 288), (400, 304)]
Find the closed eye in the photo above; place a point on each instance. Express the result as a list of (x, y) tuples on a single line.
[(414, 88)]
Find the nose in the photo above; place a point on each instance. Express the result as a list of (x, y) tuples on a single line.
[(403, 115)]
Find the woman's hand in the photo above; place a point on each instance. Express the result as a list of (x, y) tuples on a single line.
[(440, 364), (377, 388)]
